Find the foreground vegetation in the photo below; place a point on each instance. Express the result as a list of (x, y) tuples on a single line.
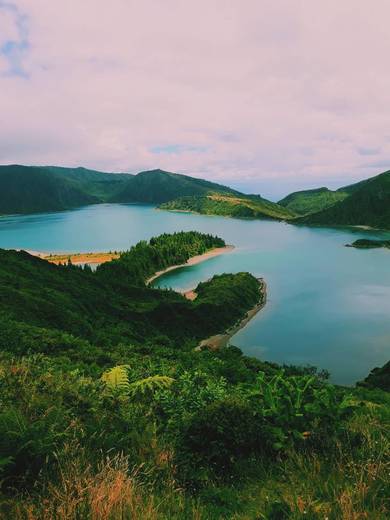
[(108, 412)]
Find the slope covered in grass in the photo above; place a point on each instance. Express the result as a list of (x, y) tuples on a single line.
[(157, 186), (312, 201), (239, 206)]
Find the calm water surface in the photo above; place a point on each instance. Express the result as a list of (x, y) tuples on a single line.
[(328, 305)]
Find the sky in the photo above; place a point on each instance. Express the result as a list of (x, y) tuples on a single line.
[(268, 96)]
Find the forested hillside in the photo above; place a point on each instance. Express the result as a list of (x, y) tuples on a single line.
[(368, 204), (113, 304), (27, 189), (228, 205), (312, 201), (108, 411), (157, 186)]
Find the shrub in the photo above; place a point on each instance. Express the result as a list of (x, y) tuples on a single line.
[(219, 434)]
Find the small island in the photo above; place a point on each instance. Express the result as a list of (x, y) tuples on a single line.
[(367, 243)]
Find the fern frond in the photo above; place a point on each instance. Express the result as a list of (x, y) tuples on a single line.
[(117, 378), (150, 385)]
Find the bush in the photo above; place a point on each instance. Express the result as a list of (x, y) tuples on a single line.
[(219, 434)]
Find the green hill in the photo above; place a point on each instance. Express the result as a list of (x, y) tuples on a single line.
[(230, 205), (26, 189), (312, 201), (113, 304), (98, 184), (157, 186), (368, 204)]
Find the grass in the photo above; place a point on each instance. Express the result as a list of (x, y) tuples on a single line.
[(350, 483)]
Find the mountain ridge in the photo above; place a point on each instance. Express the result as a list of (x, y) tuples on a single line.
[(367, 204)]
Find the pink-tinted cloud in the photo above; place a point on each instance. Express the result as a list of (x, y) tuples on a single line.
[(257, 92)]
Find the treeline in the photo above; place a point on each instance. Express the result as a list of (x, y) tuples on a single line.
[(144, 259), (112, 305)]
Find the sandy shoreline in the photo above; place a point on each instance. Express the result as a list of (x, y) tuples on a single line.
[(192, 261), (101, 257), (221, 340)]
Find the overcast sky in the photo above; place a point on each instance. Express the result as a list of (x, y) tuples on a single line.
[(266, 95)]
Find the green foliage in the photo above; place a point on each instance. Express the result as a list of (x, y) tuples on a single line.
[(366, 243), (26, 189), (116, 379), (379, 377), (192, 392), (150, 385), (217, 435), (157, 186), (117, 382), (250, 439), (44, 307), (144, 259), (238, 206), (300, 408), (312, 201), (368, 204)]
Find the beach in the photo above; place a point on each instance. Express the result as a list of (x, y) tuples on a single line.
[(192, 261), (221, 340)]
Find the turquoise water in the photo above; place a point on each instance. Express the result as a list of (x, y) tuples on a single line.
[(328, 305)]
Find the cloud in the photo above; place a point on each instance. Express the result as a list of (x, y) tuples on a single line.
[(13, 40), (256, 92), (177, 149), (368, 151)]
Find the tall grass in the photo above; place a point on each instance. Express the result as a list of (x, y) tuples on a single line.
[(111, 491)]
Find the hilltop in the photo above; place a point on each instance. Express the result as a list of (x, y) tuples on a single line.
[(29, 189), (229, 205), (311, 201), (367, 204)]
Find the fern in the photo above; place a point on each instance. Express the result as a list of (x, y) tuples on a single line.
[(150, 384), (117, 378)]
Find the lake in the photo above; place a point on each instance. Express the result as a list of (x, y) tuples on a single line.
[(328, 305)]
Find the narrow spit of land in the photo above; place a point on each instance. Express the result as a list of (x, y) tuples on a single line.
[(221, 340), (192, 261), (102, 257)]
